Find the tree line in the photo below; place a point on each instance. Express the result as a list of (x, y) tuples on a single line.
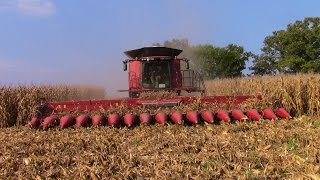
[(292, 50)]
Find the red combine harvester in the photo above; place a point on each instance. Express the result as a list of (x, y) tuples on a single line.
[(154, 69), (159, 68)]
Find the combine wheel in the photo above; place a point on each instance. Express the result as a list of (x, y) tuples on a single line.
[(114, 120), (98, 120), (129, 119), (176, 117), (269, 114), (223, 115), (254, 115), (145, 118), (161, 118), (238, 115), (50, 122), (207, 116), (82, 121), (282, 113), (192, 116)]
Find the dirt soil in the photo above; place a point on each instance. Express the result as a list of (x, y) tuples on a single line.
[(248, 150)]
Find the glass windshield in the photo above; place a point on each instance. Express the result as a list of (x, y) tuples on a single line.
[(156, 74)]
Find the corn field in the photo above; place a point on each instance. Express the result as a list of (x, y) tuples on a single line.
[(280, 149), (17, 103), (299, 93)]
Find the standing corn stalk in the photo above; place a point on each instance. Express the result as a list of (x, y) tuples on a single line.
[(17, 104), (8, 109)]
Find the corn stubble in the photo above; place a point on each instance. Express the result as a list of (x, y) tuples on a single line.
[(265, 149)]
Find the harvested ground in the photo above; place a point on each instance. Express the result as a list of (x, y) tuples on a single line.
[(247, 150)]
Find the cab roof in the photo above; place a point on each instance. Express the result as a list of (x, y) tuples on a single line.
[(153, 51)]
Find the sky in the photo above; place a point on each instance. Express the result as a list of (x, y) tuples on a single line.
[(82, 42)]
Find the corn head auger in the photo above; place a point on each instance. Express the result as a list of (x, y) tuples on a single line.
[(157, 69)]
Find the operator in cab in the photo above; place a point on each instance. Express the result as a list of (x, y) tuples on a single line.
[(155, 76)]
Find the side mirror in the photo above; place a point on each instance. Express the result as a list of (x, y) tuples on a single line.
[(125, 66), (187, 64)]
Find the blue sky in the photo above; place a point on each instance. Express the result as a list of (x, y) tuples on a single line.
[(78, 41)]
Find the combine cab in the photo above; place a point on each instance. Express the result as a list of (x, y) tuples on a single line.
[(155, 69), (159, 68)]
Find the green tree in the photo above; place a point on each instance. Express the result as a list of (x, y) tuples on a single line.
[(211, 61), (217, 62), (263, 64), (296, 49)]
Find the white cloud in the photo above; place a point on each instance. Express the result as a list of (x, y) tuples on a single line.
[(29, 7)]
